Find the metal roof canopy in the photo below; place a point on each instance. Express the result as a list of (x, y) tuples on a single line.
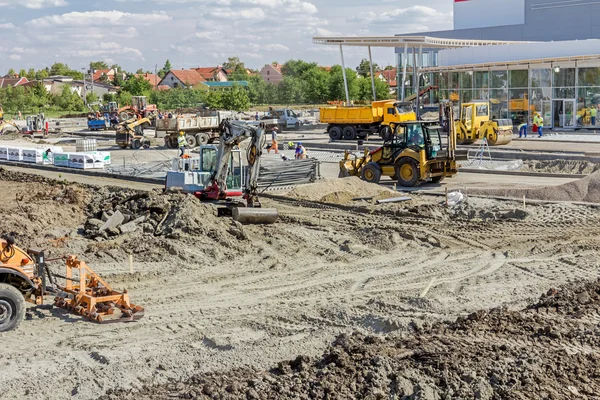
[(415, 42), (400, 41)]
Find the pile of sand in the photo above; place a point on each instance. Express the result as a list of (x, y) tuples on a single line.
[(341, 191), (586, 189), (560, 166)]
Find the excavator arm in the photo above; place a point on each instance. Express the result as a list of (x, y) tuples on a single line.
[(232, 134)]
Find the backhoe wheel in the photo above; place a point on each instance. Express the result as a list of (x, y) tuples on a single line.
[(349, 133), (371, 173), (12, 307), (137, 143), (437, 179), (191, 141), (407, 171), (202, 139), (335, 133), (386, 133), (123, 145)]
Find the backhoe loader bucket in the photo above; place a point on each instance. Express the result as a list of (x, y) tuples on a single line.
[(90, 296)]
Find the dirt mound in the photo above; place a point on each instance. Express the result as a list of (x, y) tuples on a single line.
[(586, 189), (547, 351), (341, 191), (560, 166)]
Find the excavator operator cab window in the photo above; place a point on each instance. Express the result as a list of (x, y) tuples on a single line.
[(209, 160), (391, 111), (400, 136), (415, 135), (482, 110)]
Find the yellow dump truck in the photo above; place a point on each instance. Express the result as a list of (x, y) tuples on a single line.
[(382, 117)]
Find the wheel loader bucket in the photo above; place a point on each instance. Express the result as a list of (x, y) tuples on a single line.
[(90, 296)]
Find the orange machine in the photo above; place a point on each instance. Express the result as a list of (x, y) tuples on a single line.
[(25, 277)]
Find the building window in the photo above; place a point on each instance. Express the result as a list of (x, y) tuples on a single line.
[(268, 72), (176, 84)]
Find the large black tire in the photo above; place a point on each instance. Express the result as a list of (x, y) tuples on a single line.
[(136, 144), (371, 173), (349, 133), (297, 126), (12, 307), (437, 179), (123, 145), (335, 133), (191, 141), (202, 139), (171, 142), (407, 171), (386, 133)]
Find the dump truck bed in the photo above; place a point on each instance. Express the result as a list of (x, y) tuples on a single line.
[(351, 115)]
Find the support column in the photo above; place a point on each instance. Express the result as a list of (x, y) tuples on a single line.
[(405, 59), (372, 75), (418, 80), (345, 78)]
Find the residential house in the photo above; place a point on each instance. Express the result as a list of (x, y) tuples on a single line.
[(271, 73), (55, 84), (390, 76), (13, 81), (182, 78), (109, 73), (152, 78), (213, 74)]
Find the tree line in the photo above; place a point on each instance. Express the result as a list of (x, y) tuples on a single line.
[(302, 83)]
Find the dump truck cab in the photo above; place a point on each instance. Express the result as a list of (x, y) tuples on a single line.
[(475, 124), (394, 113)]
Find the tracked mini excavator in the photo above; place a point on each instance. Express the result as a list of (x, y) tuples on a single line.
[(25, 276), (249, 210)]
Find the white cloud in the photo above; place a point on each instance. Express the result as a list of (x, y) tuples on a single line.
[(98, 18), (34, 4), (7, 25)]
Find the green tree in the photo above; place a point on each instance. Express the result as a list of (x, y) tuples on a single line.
[(91, 97), (140, 71), (336, 83), (22, 73), (290, 90), (42, 74), (30, 74), (118, 79), (96, 65), (68, 100), (136, 85), (124, 98), (365, 90), (297, 68), (317, 85), (165, 70), (214, 99), (11, 72), (236, 98), (364, 68), (236, 68)]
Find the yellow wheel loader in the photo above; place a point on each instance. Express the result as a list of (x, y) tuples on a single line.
[(475, 124), (131, 133), (26, 277), (417, 153)]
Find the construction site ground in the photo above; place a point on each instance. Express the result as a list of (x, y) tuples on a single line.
[(252, 311)]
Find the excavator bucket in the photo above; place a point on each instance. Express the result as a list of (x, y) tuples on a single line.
[(90, 296)]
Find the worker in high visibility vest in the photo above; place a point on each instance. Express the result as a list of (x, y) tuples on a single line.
[(593, 113), (539, 121), (523, 130), (181, 143)]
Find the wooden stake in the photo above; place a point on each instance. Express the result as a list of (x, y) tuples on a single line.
[(395, 187), (524, 204), (131, 264), (426, 290), (446, 197)]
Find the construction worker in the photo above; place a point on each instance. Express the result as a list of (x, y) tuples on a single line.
[(182, 143), (274, 143), (539, 121), (593, 113), (523, 130), (300, 152)]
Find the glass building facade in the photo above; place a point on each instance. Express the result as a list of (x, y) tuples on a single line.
[(564, 93)]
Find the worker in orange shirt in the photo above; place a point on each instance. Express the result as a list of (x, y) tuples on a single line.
[(274, 143)]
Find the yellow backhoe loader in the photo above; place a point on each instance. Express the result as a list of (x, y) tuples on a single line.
[(131, 133), (416, 153), (26, 277)]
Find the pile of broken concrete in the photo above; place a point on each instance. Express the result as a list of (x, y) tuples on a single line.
[(123, 212)]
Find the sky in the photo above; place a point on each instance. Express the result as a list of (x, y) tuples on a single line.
[(202, 33)]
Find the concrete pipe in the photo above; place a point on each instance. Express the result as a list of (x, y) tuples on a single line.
[(256, 216)]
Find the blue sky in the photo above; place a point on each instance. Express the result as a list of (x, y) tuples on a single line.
[(191, 33)]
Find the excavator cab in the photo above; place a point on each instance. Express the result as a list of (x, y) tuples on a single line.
[(208, 164)]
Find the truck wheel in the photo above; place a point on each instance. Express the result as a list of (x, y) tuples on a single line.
[(297, 126), (12, 307), (191, 141), (407, 171), (123, 145), (386, 133), (136, 144), (349, 133), (371, 173), (172, 143), (335, 133), (202, 139)]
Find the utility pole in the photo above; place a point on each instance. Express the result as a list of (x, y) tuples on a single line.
[(92, 77), (84, 91), (156, 76)]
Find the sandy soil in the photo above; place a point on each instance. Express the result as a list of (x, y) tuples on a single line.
[(219, 296)]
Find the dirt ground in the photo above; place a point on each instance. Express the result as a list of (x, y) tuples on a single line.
[(225, 302)]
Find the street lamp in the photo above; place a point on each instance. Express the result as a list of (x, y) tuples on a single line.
[(84, 94)]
